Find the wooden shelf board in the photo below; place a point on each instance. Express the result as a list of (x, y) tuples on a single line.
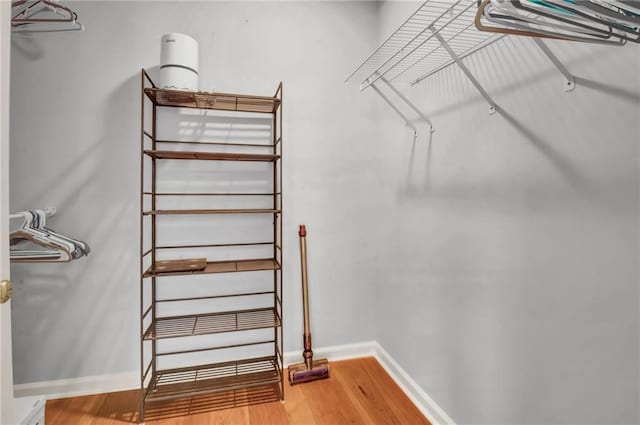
[(212, 323), (209, 100), (228, 266), (213, 378), (211, 156)]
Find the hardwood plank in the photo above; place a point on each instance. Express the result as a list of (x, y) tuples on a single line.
[(383, 384), (365, 393), (359, 391), (297, 406), (327, 401), (117, 408), (77, 410)]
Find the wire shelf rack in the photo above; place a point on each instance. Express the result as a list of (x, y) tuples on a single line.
[(212, 323), (413, 52), (219, 377)]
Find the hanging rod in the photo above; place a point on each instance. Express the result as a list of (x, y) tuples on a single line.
[(49, 211), (413, 51)]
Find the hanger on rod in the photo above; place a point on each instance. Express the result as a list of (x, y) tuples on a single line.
[(607, 10), (562, 10), (40, 16), (33, 234), (558, 19), (504, 13)]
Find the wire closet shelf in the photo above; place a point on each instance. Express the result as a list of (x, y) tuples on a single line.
[(415, 51)]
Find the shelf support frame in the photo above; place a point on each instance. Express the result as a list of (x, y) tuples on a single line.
[(465, 70), (570, 81), (408, 102), (395, 108)]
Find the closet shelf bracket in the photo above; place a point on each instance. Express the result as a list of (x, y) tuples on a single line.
[(570, 81), (463, 68), (406, 101)]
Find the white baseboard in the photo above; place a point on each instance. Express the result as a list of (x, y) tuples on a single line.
[(79, 386), (418, 396), (131, 380), (335, 352)]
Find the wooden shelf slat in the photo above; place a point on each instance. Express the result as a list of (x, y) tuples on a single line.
[(229, 266), (211, 156), (213, 378), (212, 323), (210, 100), (212, 211)]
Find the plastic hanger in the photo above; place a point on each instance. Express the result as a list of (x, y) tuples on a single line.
[(548, 8), (553, 14), (79, 248), (29, 19), (587, 13), (508, 14), (525, 24), (54, 252), (33, 230), (616, 15)]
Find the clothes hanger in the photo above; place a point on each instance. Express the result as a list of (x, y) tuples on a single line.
[(80, 248), (521, 30), (30, 226), (605, 11), (525, 29), (551, 13), (501, 30), (55, 252), (25, 21), (626, 5), (32, 8), (33, 230), (508, 14), (587, 13)]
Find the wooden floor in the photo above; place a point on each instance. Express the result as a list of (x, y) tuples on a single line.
[(358, 392)]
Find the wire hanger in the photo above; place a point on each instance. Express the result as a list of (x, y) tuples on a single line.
[(41, 16)]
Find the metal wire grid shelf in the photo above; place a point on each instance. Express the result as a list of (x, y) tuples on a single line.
[(213, 378), (415, 50), (212, 323)]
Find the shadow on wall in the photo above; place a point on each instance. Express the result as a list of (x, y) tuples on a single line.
[(93, 207), (572, 170), (509, 53), (28, 46), (508, 315)]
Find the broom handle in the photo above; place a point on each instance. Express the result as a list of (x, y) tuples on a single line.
[(307, 353)]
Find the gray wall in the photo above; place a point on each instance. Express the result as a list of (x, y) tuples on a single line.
[(75, 145), (499, 262), (510, 291)]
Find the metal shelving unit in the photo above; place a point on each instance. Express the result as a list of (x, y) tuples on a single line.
[(195, 380)]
